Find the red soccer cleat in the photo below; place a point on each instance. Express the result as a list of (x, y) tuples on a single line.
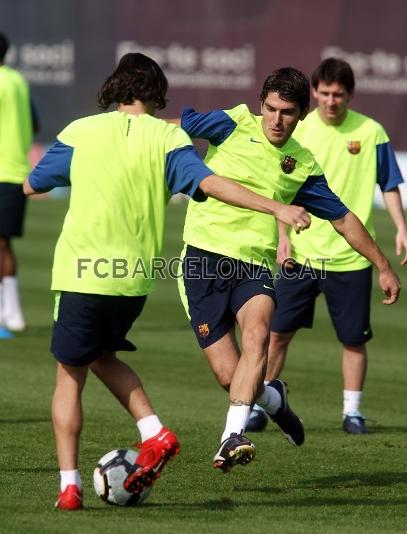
[(154, 454), (70, 498)]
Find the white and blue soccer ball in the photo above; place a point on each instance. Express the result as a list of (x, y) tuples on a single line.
[(109, 476)]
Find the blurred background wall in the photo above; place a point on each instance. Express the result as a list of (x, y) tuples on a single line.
[(216, 53)]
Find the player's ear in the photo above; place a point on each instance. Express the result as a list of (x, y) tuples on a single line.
[(304, 113), (314, 92)]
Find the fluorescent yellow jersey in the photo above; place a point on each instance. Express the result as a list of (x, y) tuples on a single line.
[(239, 149), (123, 169), (354, 156), (15, 126)]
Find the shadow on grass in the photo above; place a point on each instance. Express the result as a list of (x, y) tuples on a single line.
[(228, 505), (355, 480), (224, 504), (345, 481)]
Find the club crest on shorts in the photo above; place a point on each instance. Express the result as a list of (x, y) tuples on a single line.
[(288, 164), (354, 147), (203, 330)]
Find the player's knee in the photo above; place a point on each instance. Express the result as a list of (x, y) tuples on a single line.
[(224, 379)]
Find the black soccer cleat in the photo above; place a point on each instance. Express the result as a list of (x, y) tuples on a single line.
[(354, 423), (236, 449), (289, 423)]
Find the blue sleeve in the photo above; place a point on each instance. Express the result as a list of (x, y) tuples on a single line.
[(316, 197), (388, 171), (184, 171), (53, 170), (215, 126)]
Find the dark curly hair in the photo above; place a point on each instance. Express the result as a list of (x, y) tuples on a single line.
[(333, 70), (137, 77), (290, 84), (4, 44)]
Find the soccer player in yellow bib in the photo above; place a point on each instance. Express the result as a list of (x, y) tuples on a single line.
[(355, 154), (18, 122), (122, 167), (229, 253)]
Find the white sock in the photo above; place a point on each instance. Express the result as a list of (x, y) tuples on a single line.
[(236, 420), (269, 400), (149, 427), (12, 313), (70, 477), (351, 401)]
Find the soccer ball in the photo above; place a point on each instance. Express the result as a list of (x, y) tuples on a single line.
[(111, 472)]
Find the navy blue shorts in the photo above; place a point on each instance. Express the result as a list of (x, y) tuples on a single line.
[(12, 209), (87, 325), (347, 295), (216, 287)]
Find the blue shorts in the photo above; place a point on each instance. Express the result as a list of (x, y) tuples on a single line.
[(87, 325), (12, 209), (216, 287), (347, 295)]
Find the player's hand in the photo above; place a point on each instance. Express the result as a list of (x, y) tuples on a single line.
[(295, 216), (390, 285), (284, 251), (401, 243)]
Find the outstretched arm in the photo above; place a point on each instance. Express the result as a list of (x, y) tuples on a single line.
[(351, 228), (229, 191), (392, 199)]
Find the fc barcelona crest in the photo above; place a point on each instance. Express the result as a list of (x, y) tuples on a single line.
[(203, 330), (354, 147), (288, 164)]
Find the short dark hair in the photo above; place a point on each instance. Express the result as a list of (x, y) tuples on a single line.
[(333, 70), (290, 84), (4, 44), (137, 77)]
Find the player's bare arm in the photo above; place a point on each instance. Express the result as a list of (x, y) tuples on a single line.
[(284, 246), (351, 228), (28, 190), (231, 192), (394, 206)]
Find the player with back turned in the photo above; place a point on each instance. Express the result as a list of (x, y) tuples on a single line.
[(123, 167)]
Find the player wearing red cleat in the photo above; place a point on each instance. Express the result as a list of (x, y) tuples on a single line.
[(154, 454), (70, 498), (123, 167)]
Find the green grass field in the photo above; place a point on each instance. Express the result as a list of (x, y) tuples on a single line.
[(334, 483)]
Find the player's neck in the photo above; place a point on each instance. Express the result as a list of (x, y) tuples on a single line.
[(332, 121), (137, 108)]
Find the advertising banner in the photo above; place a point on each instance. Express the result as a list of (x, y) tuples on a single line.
[(216, 53)]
